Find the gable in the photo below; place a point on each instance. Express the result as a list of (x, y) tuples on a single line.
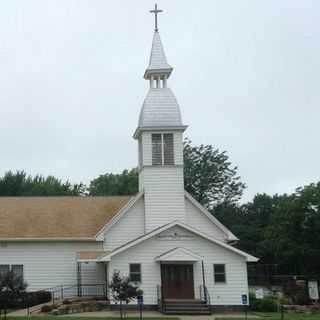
[(178, 232), (56, 217), (129, 225), (200, 218)]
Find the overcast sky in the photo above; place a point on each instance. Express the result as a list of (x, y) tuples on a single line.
[(246, 75)]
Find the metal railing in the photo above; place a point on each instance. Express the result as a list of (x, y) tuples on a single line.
[(204, 295), (83, 290), (160, 299)]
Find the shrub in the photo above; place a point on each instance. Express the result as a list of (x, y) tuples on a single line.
[(267, 304), (46, 308), (66, 301)]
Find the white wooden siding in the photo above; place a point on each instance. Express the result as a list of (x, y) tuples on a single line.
[(49, 264), (145, 253), (198, 220), (163, 195), (129, 227)]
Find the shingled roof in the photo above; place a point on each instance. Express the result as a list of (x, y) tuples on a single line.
[(56, 217)]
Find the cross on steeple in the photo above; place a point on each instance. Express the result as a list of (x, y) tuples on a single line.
[(156, 11)]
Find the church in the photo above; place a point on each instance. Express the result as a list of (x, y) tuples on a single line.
[(162, 238)]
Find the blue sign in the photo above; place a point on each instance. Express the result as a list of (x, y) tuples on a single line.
[(140, 300), (244, 299)]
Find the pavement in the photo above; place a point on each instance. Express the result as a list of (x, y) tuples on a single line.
[(131, 313)]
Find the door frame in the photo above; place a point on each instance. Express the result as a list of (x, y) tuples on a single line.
[(178, 263)]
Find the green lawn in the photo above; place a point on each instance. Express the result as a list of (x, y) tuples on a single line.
[(84, 318), (277, 316)]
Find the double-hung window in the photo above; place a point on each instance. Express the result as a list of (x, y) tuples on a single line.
[(135, 272), (219, 271), (17, 270), (162, 149)]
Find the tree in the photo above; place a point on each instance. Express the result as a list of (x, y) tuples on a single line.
[(123, 290), (20, 184), (125, 183), (12, 288), (209, 176)]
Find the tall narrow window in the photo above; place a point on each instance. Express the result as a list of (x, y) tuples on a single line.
[(156, 149), (162, 149), (135, 272), (219, 273)]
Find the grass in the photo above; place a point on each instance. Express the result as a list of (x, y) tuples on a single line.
[(85, 318), (277, 316)]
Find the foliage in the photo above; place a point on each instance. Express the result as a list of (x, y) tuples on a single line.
[(266, 304), (12, 288), (124, 183), (20, 184), (123, 290), (209, 175), (282, 229), (46, 308)]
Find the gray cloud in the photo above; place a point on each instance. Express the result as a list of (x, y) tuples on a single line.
[(246, 76)]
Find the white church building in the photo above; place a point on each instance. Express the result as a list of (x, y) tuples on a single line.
[(162, 238)]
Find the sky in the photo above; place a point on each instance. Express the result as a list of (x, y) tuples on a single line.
[(246, 75)]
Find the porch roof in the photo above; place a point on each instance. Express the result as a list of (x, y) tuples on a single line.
[(87, 256), (177, 255)]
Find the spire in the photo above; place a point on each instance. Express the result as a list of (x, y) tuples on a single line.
[(158, 65)]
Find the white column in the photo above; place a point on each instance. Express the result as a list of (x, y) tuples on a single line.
[(164, 81), (151, 82), (158, 82)]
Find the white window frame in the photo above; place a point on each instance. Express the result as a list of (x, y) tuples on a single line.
[(140, 273), (162, 149), (225, 274)]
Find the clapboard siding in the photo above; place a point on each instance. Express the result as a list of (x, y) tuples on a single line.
[(129, 227), (49, 264), (197, 219), (164, 196), (145, 253)]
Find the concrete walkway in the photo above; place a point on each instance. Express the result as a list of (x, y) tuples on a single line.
[(105, 314), (150, 314)]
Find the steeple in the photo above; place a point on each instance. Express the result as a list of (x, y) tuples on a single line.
[(160, 140)]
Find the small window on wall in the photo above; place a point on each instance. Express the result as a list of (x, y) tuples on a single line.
[(17, 269), (135, 272), (162, 149), (219, 273), (4, 269)]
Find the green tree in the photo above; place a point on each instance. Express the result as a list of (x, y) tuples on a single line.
[(125, 183), (123, 290), (20, 184), (209, 175), (12, 288)]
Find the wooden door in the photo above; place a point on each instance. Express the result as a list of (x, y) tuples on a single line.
[(177, 281)]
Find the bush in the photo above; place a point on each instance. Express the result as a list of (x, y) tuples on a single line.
[(66, 301), (46, 308), (267, 304)]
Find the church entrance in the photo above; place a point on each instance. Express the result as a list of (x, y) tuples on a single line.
[(177, 281)]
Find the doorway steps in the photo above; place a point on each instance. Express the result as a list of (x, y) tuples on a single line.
[(186, 306)]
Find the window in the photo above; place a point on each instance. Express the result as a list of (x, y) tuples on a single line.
[(219, 273), (162, 149), (4, 269), (135, 272), (17, 269)]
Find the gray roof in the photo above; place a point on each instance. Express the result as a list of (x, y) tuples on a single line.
[(158, 60), (160, 109)]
